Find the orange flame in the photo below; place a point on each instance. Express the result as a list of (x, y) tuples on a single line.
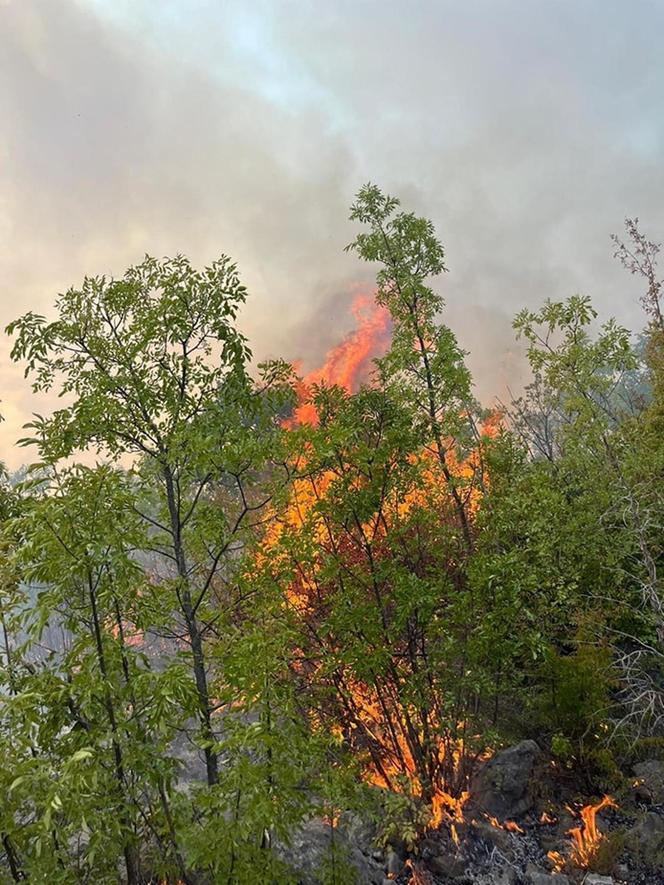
[(510, 825), (586, 839), (419, 875), (388, 733), (348, 363)]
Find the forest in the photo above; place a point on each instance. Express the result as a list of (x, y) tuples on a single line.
[(351, 626)]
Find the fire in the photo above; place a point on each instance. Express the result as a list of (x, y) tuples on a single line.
[(348, 363), (585, 838), (404, 749), (510, 825), (419, 875), (393, 766)]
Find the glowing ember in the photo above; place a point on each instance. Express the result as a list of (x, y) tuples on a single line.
[(586, 839)]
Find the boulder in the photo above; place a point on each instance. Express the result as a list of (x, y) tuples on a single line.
[(360, 831), (595, 879), (650, 774), (646, 840), (503, 787), (308, 854), (449, 866)]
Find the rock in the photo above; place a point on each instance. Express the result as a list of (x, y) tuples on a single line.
[(502, 787), (595, 879), (359, 831), (428, 847), (536, 876), (394, 864), (650, 773), (447, 865), (493, 835), (504, 876), (309, 850), (622, 871), (646, 840), (548, 879)]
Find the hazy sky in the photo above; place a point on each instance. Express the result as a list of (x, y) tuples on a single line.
[(527, 129)]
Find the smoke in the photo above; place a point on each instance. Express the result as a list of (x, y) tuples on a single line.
[(526, 132)]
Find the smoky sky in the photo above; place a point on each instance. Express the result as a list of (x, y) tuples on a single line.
[(525, 130)]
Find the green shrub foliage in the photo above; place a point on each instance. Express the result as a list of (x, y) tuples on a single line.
[(217, 624)]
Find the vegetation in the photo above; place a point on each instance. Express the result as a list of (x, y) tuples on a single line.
[(219, 620)]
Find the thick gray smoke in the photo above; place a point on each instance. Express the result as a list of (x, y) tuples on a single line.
[(525, 130)]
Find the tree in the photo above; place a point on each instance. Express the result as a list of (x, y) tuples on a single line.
[(369, 553), (92, 722), (424, 361), (158, 372), (601, 463)]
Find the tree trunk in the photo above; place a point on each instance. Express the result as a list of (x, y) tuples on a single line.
[(193, 631)]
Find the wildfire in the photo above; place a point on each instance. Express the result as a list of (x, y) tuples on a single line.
[(510, 825), (586, 838), (404, 749), (418, 874), (395, 768), (348, 363)]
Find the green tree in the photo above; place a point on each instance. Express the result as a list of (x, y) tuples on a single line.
[(156, 370), (91, 722), (369, 554), (424, 361)]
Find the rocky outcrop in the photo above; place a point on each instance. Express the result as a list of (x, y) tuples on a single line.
[(511, 835), (503, 787)]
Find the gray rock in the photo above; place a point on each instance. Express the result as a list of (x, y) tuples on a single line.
[(622, 871), (447, 865), (651, 774), (394, 864), (309, 850), (503, 787), (493, 835), (595, 879), (359, 831), (537, 877), (646, 840)]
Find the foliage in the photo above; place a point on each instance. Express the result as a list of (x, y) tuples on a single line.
[(231, 624)]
